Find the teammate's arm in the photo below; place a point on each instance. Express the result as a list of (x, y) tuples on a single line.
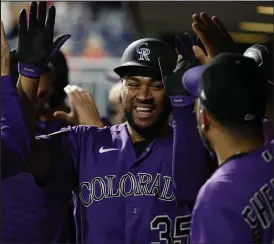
[(15, 140), (190, 159), (189, 154), (83, 108), (35, 49), (214, 37)]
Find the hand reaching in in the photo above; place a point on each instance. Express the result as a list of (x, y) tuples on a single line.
[(214, 36), (83, 108)]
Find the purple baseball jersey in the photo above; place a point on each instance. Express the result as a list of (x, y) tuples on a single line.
[(120, 198), (41, 211), (190, 158), (29, 213), (15, 140), (236, 205)]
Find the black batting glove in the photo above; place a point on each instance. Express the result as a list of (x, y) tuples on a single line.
[(173, 83), (35, 42)]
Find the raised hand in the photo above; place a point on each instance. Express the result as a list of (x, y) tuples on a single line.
[(186, 60), (35, 40), (214, 36), (83, 108), (5, 53)]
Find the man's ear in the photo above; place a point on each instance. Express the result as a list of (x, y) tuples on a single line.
[(204, 120)]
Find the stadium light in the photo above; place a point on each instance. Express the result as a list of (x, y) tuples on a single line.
[(257, 27), (248, 38), (265, 10)]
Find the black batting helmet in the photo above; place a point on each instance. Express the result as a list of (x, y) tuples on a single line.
[(263, 57), (142, 55)]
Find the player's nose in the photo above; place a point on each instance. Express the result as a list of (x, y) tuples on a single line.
[(144, 93)]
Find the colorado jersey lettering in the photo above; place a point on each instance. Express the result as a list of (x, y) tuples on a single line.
[(99, 188), (236, 205), (259, 213)]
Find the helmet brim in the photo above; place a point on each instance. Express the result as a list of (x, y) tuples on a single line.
[(124, 68)]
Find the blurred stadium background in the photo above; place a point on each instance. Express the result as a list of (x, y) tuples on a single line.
[(102, 30)]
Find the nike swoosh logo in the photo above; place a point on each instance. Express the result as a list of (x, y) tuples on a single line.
[(102, 150)]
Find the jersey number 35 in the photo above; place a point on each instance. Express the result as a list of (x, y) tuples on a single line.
[(181, 228)]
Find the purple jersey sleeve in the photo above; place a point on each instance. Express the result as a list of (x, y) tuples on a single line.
[(15, 139), (65, 148), (189, 156)]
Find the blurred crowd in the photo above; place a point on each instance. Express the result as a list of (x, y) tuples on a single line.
[(98, 29)]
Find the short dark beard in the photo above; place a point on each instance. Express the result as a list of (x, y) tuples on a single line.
[(205, 141), (151, 131)]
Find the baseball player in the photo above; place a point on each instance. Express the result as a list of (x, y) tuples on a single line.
[(236, 204), (121, 175), (15, 144), (26, 203), (34, 223)]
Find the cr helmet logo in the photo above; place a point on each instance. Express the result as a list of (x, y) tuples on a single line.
[(143, 51)]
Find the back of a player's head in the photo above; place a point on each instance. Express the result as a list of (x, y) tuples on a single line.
[(232, 91)]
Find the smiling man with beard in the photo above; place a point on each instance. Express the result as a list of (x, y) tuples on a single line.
[(145, 103)]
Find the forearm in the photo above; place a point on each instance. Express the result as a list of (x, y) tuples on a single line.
[(27, 91), (15, 139), (189, 155)]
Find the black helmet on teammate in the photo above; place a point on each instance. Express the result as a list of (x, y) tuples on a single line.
[(141, 57), (263, 57)]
